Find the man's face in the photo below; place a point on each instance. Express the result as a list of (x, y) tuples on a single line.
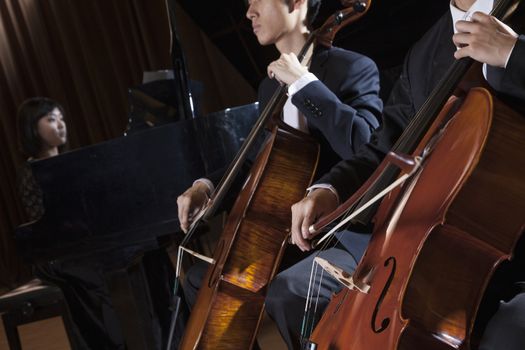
[(271, 19)]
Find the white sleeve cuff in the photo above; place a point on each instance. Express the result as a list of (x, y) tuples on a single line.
[(326, 187), (208, 184), (300, 83)]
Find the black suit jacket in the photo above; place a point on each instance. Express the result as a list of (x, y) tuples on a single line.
[(511, 80), (426, 62), (342, 108)]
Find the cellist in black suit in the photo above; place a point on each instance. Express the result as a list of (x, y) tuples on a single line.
[(333, 96), (486, 39)]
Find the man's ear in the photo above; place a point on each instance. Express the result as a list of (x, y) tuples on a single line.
[(295, 4)]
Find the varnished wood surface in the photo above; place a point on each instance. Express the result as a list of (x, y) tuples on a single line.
[(461, 218), (229, 305)]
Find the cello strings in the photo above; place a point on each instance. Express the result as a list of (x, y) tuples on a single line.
[(309, 311), (316, 302), (307, 306), (308, 303)]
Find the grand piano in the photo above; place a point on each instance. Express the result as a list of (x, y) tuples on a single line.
[(124, 191)]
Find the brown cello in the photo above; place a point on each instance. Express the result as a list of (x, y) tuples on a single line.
[(230, 302), (439, 238)]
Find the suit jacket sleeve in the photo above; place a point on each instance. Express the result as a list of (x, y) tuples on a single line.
[(511, 80), (348, 175), (348, 113)]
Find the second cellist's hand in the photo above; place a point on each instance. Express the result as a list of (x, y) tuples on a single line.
[(286, 69), (485, 39), (191, 202), (319, 202)]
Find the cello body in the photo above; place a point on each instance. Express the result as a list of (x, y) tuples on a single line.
[(230, 302), (438, 239)]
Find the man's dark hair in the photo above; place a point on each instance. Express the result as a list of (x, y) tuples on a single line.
[(313, 10), (29, 113)]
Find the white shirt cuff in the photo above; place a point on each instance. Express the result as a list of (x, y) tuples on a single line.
[(208, 184), (300, 83), (326, 187)]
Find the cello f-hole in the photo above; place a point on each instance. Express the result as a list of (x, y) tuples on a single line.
[(386, 322)]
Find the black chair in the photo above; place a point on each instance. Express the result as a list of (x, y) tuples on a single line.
[(31, 302)]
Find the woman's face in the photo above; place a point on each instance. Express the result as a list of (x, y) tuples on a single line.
[(52, 129)]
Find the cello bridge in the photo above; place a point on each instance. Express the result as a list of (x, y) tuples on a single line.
[(342, 276)]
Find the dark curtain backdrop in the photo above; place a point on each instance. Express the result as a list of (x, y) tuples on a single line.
[(86, 54)]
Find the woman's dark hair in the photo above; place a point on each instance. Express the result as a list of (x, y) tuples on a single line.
[(29, 113)]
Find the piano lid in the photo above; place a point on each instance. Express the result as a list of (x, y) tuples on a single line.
[(124, 191)]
